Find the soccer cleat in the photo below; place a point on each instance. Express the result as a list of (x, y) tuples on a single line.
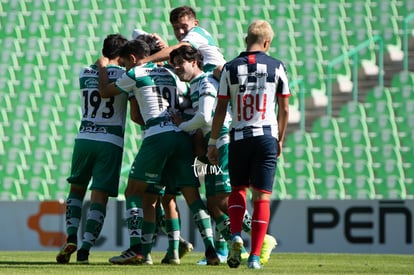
[(234, 258), (254, 264), (127, 257), (171, 259), (148, 260), (269, 243), (211, 256), (222, 255), (64, 254), (244, 255), (184, 248), (82, 256)]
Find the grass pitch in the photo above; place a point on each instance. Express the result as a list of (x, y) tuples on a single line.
[(35, 262)]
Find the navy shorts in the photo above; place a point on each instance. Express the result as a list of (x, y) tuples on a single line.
[(252, 162)]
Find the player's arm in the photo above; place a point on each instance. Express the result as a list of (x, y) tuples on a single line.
[(106, 89), (163, 54), (282, 118), (203, 115)]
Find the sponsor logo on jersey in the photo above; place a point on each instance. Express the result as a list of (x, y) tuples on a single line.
[(92, 128), (91, 82)]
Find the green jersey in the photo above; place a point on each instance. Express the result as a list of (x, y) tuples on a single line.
[(103, 119)]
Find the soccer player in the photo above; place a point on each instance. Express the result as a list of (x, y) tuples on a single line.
[(167, 226), (97, 153), (257, 88), (164, 150), (187, 31), (187, 62)]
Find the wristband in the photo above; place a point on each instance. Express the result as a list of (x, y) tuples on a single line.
[(212, 142)]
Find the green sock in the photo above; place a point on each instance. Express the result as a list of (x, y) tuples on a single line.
[(148, 229), (73, 215), (173, 232), (223, 226), (203, 221), (219, 242), (94, 224), (134, 217)]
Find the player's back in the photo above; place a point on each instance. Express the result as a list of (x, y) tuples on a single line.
[(156, 90), (102, 118)]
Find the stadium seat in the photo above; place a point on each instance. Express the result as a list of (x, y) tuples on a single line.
[(389, 179), (36, 190), (279, 190), (300, 187), (325, 130), (353, 131), (386, 152), (330, 187), (298, 145), (10, 189), (358, 152), (360, 187), (328, 152)]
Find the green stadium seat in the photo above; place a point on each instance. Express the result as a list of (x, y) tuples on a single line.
[(378, 101), (385, 22), (10, 189), (254, 12), (14, 168), (330, 188), (354, 131), (325, 130), (386, 152), (352, 109), (327, 153), (360, 187), (385, 136), (358, 152), (279, 190), (301, 140), (300, 187), (37, 189), (389, 179)]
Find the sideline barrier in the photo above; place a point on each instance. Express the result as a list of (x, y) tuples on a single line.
[(318, 226)]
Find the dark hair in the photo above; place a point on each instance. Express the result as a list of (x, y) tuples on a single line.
[(137, 47), (112, 45), (179, 12), (187, 53), (151, 41)]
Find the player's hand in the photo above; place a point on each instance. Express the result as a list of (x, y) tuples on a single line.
[(102, 62), (279, 151), (213, 154), (160, 42)]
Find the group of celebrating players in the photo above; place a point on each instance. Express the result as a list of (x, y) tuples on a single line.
[(190, 104)]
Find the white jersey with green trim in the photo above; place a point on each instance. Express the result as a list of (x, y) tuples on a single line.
[(156, 90), (202, 40), (103, 119), (204, 99)]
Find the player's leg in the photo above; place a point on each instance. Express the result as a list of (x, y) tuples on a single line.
[(262, 178), (134, 219), (239, 160), (105, 183), (172, 227), (189, 186), (80, 175)]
